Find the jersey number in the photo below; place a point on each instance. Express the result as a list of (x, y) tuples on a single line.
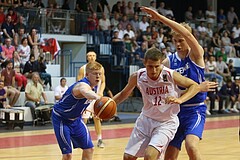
[(157, 101)]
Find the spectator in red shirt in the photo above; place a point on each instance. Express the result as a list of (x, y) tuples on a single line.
[(92, 26), (8, 77)]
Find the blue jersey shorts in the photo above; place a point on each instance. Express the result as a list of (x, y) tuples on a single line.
[(192, 120), (67, 131)]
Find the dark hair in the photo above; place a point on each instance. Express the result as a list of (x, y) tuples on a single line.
[(62, 79), (7, 62)]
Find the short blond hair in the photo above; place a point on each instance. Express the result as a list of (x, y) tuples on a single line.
[(93, 66), (186, 25)]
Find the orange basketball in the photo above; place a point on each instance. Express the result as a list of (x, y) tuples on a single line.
[(105, 108)]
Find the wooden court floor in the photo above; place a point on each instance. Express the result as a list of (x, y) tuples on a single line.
[(220, 142)]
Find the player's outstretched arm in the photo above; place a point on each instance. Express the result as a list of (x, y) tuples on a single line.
[(123, 95), (188, 36), (82, 90), (192, 87)]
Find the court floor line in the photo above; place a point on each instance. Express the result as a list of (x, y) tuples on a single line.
[(46, 139)]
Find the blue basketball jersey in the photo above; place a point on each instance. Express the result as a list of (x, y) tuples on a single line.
[(188, 68), (70, 107)]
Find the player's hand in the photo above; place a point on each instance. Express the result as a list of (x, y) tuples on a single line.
[(171, 100), (208, 86), (151, 13)]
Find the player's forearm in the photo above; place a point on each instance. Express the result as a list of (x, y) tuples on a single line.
[(174, 25), (121, 96), (190, 92), (91, 95)]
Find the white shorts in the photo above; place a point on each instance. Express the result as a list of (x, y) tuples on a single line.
[(88, 112), (149, 132)]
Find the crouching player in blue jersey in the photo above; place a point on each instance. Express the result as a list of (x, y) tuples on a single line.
[(67, 114), (188, 61)]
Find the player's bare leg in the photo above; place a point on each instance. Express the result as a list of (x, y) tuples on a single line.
[(87, 154), (98, 129), (67, 156), (171, 153), (192, 147), (151, 153)]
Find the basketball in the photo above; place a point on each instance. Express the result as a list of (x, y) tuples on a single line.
[(105, 108)]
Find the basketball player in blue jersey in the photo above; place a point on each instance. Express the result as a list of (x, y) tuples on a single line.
[(67, 120), (91, 57), (188, 61)]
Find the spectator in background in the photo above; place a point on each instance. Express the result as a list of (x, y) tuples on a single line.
[(117, 8), (120, 31), (226, 43), (2, 16), (114, 21), (117, 47), (189, 15), (39, 4), (236, 44), (8, 28), (3, 96), (33, 40), (221, 53), (101, 6), (19, 77), (143, 24), (129, 10), (162, 9), (136, 8), (54, 2), (211, 70), (104, 29), (30, 67), (203, 36), (236, 30), (135, 23), (232, 17), (236, 91), (60, 89), (211, 16), (130, 32), (24, 51), (20, 24), (8, 77), (8, 50), (139, 54), (199, 16), (19, 36), (221, 18), (213, 96), (226, 93), (232, 69), (129, 50), (93, 27), (33, 92), (216, 42), (222, 69), (65, 5), (13, 15), (124, 22), (46, 77)]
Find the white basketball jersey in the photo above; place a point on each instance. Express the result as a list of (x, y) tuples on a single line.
[(155, 92)]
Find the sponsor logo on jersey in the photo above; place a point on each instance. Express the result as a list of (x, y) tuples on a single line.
[(165, 78)]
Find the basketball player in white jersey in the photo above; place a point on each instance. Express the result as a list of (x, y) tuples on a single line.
[(91, 57), (158, 121)]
